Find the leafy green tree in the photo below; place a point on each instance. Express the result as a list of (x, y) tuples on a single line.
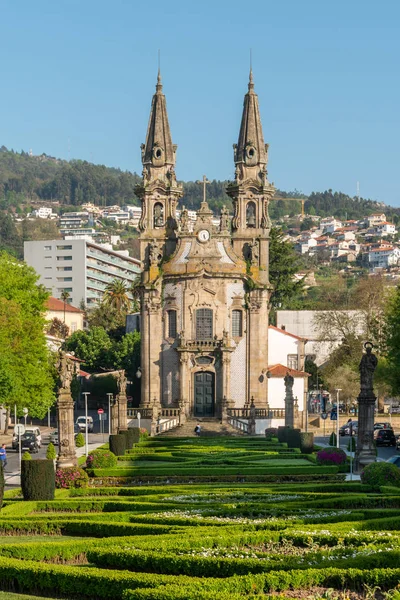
[(110, 319), (92, 347), (79, 440), (25, 376), (392, 335), (283, 264)]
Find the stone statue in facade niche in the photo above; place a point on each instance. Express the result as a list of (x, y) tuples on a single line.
[(224, 221), (154, 254), (184, 220), (255, 252)]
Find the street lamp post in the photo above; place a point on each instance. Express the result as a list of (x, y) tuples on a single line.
[(86, 394), (109, 395), (337, 416)]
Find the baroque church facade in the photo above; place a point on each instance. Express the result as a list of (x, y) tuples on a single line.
[(204, 289)]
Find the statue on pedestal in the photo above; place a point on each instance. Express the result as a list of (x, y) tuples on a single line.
[(289, 400), (65, 411), (365, 453)]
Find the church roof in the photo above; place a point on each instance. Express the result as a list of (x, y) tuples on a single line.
[(281, 370), (279, 330), (158, 131), (251, 134)]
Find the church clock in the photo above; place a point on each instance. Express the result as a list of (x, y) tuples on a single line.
[(203, 235)]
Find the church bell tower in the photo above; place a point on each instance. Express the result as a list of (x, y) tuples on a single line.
[(159, 191), (251, 190)]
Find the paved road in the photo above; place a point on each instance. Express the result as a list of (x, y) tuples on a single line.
[(383, 452), (11, 474)]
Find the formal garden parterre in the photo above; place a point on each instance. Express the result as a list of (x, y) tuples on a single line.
[(174, 531)]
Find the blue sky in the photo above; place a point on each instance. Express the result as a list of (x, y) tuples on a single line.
[(326, 72)]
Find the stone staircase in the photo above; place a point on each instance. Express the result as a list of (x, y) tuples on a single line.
[(209, 428)]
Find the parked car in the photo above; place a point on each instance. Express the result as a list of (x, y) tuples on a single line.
[(81, 422), (395, 460), (54, 434), (29, 429), (29, 441), (398, 442), (385, 425), (345, 429), (384, 437)]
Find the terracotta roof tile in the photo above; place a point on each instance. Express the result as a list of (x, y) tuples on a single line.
[(56, 304), (281, 370)]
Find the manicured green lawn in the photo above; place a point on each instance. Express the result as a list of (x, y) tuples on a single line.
[(10, 596)]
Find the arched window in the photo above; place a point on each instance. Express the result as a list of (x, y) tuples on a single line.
[(171, 323), (237, 323), (158, 215), (251, 214), (204, 324)]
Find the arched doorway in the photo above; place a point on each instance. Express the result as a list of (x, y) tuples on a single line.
[(204, 394)]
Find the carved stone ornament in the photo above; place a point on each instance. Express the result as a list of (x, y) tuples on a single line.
[(184, 220), (224, 220), (65, 443), (66, 370), (155, 254), (121, 382), (255, 252), (367, 368)]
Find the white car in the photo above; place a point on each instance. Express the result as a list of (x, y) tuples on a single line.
[(81, 422), (29, 429)]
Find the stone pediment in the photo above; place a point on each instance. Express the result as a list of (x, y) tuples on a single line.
[(213, 256)]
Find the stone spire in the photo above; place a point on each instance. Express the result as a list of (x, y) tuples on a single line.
[(158, 151), (250, 151)]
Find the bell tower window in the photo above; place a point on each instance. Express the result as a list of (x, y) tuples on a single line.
[(158, 215), (237, 323), (204, 324), (251, 214), (171, 323)]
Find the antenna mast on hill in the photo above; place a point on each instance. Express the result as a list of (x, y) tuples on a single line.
[(358, 191)]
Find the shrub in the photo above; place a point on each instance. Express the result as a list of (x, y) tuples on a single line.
[(283, 434), (80, 440), (101, 459), (118, 444), (293, 438), (51, 452), (129, 437), (333, 439), (306, 442), (331, 456), (143, 434), (351, 446), (135, 434), (271, 432), (1, 483), (71, 477), (26, 456), (37, 479), (382, 473)]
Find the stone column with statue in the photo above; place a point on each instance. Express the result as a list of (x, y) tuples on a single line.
[(289, 400), (365, 451), (122, 402), (65, 412)]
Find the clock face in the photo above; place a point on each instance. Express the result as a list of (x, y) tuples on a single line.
[(203, 235)]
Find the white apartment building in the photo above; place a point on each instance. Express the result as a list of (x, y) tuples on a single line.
[(375, 219), (386, 229), (383, 257), (79, 267), (44, 212)]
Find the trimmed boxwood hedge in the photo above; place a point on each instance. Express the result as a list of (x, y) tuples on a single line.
[(38, 479), (117, 444)]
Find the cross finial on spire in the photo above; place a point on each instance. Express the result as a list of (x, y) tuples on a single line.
[(159, 84), (251, 82)]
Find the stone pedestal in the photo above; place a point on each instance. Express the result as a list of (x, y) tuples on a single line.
[(122, 404), (66, 437), (114, 417), (365, 452), (289, 409)]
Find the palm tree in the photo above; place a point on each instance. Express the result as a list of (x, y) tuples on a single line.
[(116, 296), (135, 291), (64, 296)]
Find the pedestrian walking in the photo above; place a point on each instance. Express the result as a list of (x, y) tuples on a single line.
[(3, 456), (197, 430)]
